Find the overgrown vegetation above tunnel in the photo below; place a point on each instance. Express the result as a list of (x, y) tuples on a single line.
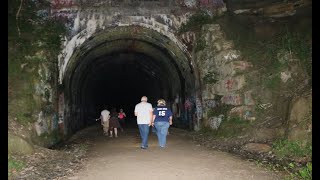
[(34, 39)]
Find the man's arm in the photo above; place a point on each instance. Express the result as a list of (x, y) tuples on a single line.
[(170, 120), (151, 116), (135, 111)]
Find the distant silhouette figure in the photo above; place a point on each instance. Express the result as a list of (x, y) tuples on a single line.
[(122, 115)]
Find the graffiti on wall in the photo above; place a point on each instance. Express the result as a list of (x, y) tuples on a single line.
[(214, 122), (229, 84), (211, 103), (188, 104), (244, 112), (61, 108), (232, 99), (199, 114), (188, 3)]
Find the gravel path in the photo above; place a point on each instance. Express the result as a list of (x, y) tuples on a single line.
[(121, 158)]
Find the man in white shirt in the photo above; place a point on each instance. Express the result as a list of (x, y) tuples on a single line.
[(104, 117), (143, 111)]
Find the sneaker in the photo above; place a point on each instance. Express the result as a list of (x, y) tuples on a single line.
[(143, 147)]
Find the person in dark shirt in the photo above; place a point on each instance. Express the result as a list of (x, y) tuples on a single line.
[(114, 123), (162, 119)]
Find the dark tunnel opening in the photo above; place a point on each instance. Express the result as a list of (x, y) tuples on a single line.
[(116, 73), (123, 78)]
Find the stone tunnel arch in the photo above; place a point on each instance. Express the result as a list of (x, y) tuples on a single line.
[(116, 66)]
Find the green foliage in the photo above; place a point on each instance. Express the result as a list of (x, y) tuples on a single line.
[(303, 173), (232, 127), (273, 82), (38, 42), (291, 149), (14, 165), (196, 21), (200, 45), (299, 45), (209, 78), (228, 128), (37, 34), (263, 53)]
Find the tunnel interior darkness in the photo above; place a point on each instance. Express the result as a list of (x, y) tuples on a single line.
[(117, 71)]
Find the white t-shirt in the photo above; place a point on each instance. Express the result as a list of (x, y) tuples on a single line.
[(143, 110), (105, 115)]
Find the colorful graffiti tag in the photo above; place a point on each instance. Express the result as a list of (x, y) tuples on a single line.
[(232, 99)]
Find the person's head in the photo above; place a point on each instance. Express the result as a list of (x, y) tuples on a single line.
[(144, 99), (121, 110), (161, 102)]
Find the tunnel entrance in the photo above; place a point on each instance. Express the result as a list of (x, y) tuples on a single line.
[(116, 67)]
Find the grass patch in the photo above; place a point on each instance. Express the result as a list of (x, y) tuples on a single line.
[(303, 173), (14, 165), (228, 128), (232, 127), (291, 149), (273, 82)]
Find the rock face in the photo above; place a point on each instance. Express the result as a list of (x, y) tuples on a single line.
[(300, 122), (17, 145)]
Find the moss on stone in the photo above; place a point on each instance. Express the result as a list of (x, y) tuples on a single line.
[(17, 145), (196, 21)]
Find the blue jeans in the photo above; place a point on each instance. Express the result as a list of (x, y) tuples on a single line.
[(144, 133), (162, 130)]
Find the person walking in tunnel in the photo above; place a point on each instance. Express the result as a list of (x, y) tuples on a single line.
[(122, 116), (143, 111), (104, 117), (114, 123), (162, 119)]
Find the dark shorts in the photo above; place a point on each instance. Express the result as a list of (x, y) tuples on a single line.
[(114, 123)]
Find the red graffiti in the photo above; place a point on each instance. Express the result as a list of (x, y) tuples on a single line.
[(188, 105), (229, 84)]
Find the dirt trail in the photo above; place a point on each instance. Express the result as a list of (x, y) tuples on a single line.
[(121, 158)]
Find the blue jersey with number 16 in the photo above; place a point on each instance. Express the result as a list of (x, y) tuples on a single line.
[(162, 113)]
